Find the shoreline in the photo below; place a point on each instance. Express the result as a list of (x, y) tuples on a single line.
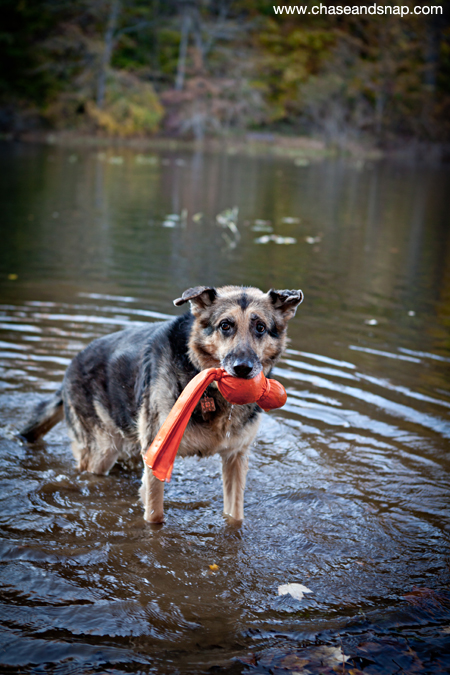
[(301, 149)]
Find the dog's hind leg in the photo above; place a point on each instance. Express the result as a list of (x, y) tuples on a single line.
[(152, 496), (234, 474), (95, 446)]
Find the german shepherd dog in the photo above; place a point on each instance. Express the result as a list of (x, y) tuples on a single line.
[(117, 393)]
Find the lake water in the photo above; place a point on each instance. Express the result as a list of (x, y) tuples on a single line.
[(348, 488)]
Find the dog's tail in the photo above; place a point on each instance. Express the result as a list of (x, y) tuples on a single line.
[(46, 414)]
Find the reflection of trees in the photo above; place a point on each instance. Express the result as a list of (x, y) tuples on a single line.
[(384, 245)]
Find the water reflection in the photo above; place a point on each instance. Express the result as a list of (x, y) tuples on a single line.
[(348, 487)]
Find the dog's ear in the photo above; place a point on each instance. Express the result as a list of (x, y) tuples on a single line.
[(286, 301), (200, 297)]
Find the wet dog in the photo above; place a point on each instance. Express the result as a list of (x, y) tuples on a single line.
[(117, 393)]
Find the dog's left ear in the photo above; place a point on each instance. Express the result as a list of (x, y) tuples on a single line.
[(200, 297), (286, 301)]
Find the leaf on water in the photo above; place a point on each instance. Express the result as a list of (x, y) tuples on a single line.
[(228, 216), (283, 240), (147, 159), (197, 217), (275, 238), (262, 228), (13, 277), (297, 591), (214, 567), (321, 659), (301, 161), (263, 240)]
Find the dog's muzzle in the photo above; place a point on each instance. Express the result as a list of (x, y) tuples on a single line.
[(244, 366)]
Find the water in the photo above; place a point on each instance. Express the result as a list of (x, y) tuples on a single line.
[(348, 487)]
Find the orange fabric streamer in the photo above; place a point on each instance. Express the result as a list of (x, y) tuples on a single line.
[(268, 394)]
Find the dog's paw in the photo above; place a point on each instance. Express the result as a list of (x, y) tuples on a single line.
[(156, 518)]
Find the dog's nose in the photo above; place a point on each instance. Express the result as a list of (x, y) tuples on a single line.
[(243, 368)]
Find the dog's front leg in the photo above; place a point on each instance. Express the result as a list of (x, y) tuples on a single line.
[(234, 473), (152, 496)]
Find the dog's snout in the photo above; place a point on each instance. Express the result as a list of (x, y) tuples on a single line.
[(243, 367)]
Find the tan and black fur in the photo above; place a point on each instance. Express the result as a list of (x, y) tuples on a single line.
[(117, 393)]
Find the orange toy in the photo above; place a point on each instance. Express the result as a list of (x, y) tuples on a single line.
[(268, 394)]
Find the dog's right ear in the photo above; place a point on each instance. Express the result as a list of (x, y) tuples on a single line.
[(200, 297)]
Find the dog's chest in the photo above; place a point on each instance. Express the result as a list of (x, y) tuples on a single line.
[(221, 434)]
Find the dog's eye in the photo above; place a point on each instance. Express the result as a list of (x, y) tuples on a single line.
[(260, 328), (225, 326)]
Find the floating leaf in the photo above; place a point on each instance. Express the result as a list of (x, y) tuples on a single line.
[(12, 277), (228, 216), (152, 160), (214, 567), (262, 226), (297, 591), (116, 160), (275, 238), (283, 240), (197, 217)]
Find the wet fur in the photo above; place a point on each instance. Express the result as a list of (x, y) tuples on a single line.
[(117, 393)]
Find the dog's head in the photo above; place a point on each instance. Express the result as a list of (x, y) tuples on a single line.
[(240, 329)]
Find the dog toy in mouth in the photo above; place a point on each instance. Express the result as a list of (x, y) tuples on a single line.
[(268, 394)]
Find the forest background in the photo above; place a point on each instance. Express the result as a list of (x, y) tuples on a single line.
[(199, 68)]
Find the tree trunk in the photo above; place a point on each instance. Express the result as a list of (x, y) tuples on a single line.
[(107, 51), (185, 27)]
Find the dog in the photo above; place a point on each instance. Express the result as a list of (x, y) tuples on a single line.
[(117, 392)]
